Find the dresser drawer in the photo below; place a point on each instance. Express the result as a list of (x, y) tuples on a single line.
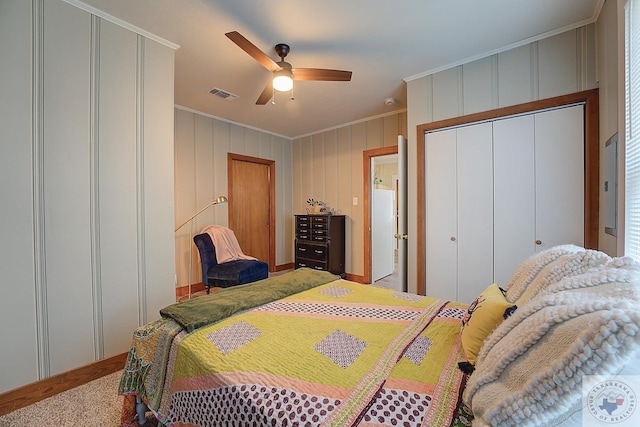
[(316, 265), (311, 251), (319, 227), (303, 235), (303, 230), (302, 221), (316, 220), (319, 235)]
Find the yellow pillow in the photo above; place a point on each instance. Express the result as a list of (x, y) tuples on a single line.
[(484, 314)]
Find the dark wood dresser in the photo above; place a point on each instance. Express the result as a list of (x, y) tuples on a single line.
[(320, 242)]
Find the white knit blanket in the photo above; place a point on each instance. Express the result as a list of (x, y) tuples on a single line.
[(529, 370), (226, 244), (550, 266)]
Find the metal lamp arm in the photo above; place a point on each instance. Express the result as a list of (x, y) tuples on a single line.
[(218, 200)]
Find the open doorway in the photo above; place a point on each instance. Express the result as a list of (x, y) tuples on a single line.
[(381, 217), (384, 222)]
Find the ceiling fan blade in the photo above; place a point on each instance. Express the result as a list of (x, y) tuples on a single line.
[(253, 51), (266, 94), (321, 74)]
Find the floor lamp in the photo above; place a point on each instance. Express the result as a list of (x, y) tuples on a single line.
[(218, 200)]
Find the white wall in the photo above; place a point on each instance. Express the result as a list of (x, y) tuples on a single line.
[(201, 146), (558, 65), (86, 125)]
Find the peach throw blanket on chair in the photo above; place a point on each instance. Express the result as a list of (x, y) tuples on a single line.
[(226, 244)]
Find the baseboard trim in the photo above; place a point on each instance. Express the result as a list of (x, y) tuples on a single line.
[(184, 290), (35, 392), (283, 267), (355, 278)]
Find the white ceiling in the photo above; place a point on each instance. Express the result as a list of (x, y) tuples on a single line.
[(384, 43)]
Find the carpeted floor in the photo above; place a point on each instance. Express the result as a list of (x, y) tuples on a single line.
[(95, 404)]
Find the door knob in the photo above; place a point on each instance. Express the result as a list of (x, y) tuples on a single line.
[(538, 242), (453, 239)]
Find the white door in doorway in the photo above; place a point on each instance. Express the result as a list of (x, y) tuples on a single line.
[(402, 236), (382, 236)]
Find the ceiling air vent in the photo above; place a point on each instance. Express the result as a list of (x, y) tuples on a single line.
[(223, 94)]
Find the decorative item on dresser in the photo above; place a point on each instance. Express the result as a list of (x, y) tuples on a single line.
[(320, 242)]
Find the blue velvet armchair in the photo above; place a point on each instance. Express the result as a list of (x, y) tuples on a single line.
[(231, 273)]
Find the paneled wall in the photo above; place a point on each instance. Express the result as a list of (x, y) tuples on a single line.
[(327, 166), (86, 125), (201, 146), (557, 65)]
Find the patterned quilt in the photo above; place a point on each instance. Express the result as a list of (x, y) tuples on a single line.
[(339, 354)]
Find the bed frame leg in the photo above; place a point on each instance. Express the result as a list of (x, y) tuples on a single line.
[(141, 410)]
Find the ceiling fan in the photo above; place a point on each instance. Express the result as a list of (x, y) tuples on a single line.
[(283, 72)]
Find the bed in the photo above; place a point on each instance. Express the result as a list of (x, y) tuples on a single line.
[(309, 348)]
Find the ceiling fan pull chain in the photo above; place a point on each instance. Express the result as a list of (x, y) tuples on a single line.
[(292, 98), (273, 95)]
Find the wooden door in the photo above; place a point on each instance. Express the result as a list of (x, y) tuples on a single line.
[(251, 205)]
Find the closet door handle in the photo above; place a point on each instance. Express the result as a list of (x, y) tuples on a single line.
[(538, 242), (453, 239)]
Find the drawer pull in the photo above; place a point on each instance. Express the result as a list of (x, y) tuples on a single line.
[(302, 264), (302, 249), (319, 251), (318, 268)]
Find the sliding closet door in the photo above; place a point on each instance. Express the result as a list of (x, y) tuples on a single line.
[(514, 194), (442, 252), (539, 185), (459, 212), (475, 210), (559, 145)]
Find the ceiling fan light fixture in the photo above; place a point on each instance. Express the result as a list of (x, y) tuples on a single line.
[(282, 71), (283, 80)]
